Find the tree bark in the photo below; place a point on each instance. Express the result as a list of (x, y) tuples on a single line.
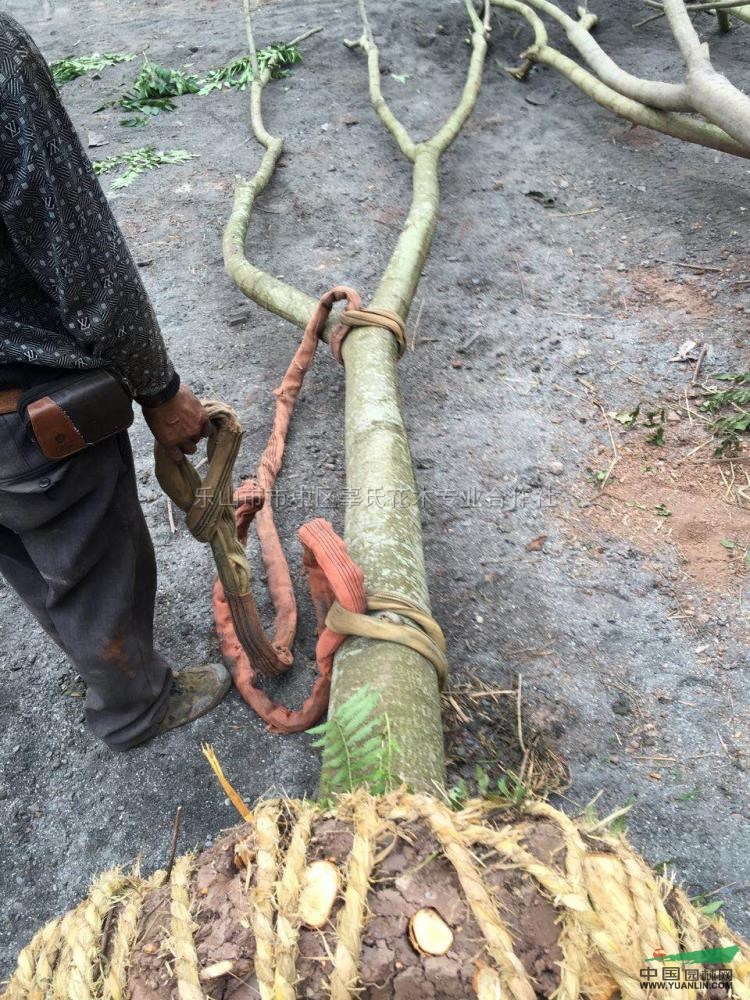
[(678, 125), (383, 528)]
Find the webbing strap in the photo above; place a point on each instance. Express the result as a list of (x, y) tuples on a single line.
[(356, 316), (207, 501), (335, 582), (398, 621)]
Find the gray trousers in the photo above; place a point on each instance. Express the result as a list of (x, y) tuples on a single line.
[(75, 547)]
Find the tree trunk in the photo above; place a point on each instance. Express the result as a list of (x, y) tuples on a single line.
[(383, 529)]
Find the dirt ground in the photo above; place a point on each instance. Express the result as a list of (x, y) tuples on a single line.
[(553, 300)]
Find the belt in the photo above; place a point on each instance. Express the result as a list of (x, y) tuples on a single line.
[(9, 400)]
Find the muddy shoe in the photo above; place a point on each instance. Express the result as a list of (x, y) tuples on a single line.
[(195, 691)]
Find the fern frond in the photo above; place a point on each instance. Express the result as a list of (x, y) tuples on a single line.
[(357, 747)]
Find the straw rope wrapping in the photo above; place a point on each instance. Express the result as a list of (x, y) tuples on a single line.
[(84, 935), (610, 905), (351, 918), (287, 899), (60, 967), (123, 939), (261, 903), (186, 968), (34, 970), (45, 966), (498, 939), (571, 895)]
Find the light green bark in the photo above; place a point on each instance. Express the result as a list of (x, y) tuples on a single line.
[(383, 530), (386, 541), (681, 126), (383, 527)]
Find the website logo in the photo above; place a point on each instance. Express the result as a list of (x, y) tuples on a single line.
[(689, 970)]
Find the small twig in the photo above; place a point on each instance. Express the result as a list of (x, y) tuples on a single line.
[(305, 35), (699, 364), (462, 348), (573, 215), (520, 278), (687, 407), (175, 838), (615, 454), (170, 515), (609, 820), (697, 448), (492, 693), (519, 719), (106, 931), (648, 20), (692, 267)]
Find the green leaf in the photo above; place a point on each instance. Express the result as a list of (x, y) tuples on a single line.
[(137, 121), (689, 796), (154, 87), (138, 161), (728, 543), (238, 74), (713, 907), (628, 417), (654, 418), (358, 750), (458, 793), (657, 438), (482, 779), (511, 788), (65, 70), (661, 510)]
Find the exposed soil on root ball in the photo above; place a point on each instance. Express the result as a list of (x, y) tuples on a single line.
[(412, 872)]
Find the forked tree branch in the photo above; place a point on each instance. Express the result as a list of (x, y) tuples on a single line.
[(278, 296), (385, 542), (695, 7), (398, 284), (456, 121), (680, 126), (402, 273), (711, 93), (368, 45), (665, 96)]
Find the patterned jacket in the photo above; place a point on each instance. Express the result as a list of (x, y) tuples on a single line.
[(70, 293)]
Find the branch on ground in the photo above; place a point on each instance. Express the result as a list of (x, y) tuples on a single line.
[(403, 271), (663, 107)]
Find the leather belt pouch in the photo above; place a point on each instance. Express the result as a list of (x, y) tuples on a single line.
[(72, 413)]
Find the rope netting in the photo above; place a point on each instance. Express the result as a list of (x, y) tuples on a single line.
[(612, 909)]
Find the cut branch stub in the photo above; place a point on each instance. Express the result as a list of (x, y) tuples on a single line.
[(320, 887), (429, 934)]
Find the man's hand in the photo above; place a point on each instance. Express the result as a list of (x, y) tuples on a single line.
[(178, 424)]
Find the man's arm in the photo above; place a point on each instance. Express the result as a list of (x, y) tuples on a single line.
[(63, 230)]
